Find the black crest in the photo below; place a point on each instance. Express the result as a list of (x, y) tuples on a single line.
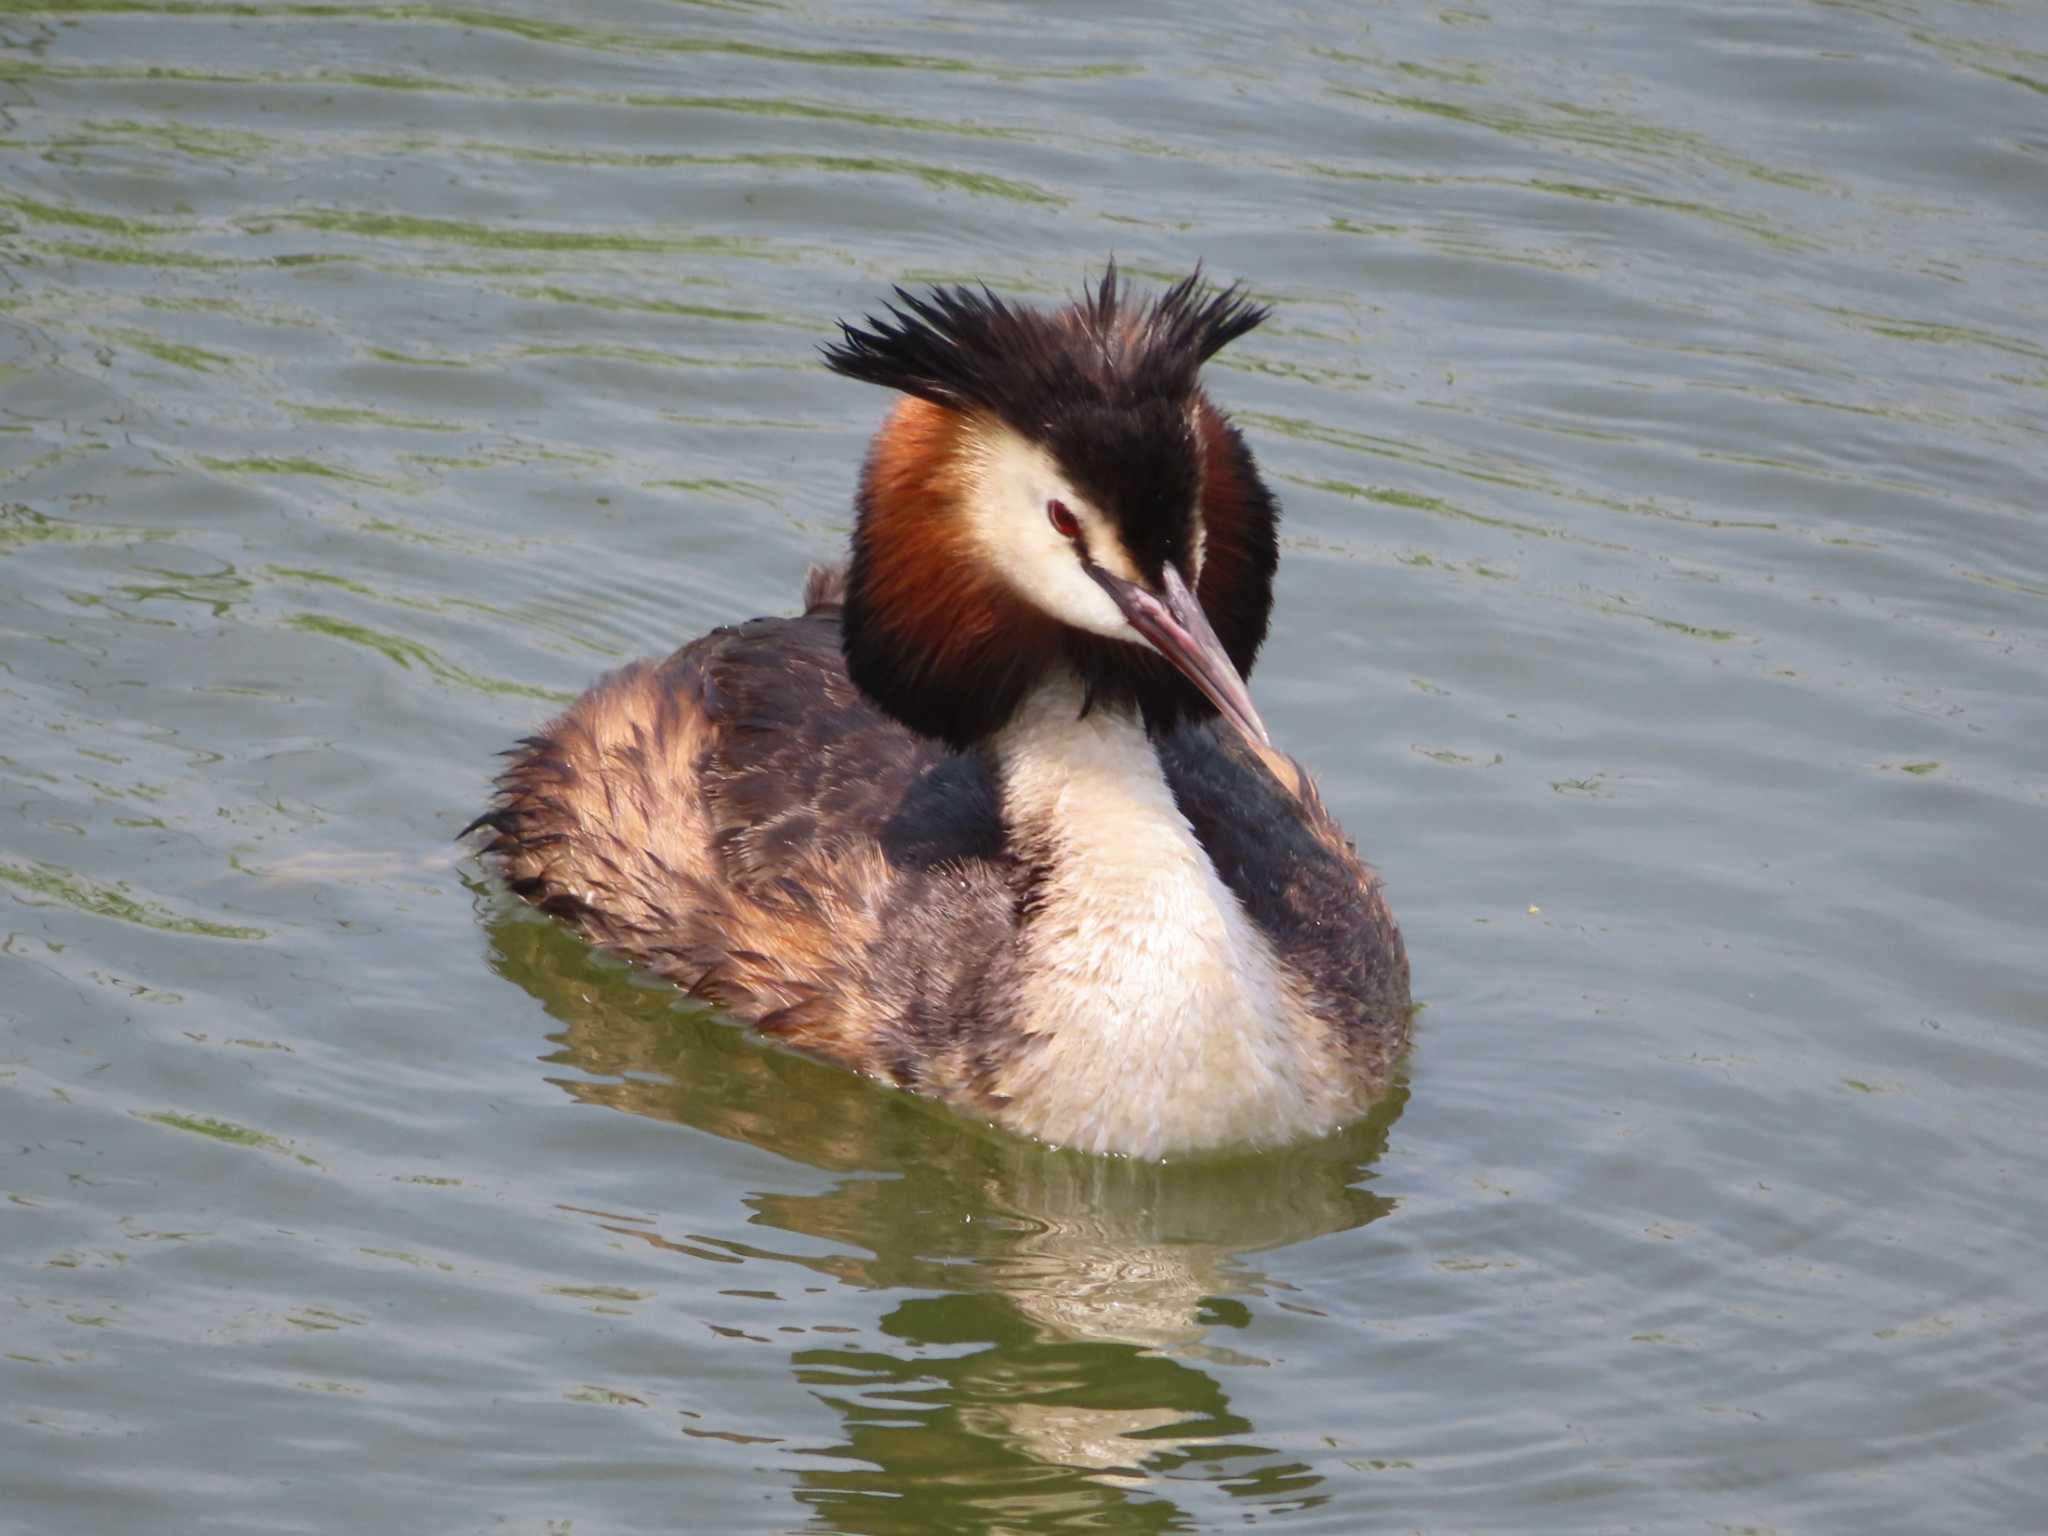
[(969, 350)]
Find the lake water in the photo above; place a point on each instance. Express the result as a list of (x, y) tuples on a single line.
[(1659, 400)]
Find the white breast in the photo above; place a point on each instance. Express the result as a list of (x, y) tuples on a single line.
[(1165, 1021)]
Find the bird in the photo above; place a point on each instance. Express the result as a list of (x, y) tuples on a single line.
[(994, 819)]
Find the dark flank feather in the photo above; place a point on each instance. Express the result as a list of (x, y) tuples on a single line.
[(1297, 875), (740, 820)]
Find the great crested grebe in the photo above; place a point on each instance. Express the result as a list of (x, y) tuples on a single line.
[(972, 824)]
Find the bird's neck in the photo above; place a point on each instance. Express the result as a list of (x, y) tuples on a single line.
[(1161, 1017)]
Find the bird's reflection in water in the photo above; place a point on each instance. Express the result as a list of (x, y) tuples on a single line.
[(1046, 1367)]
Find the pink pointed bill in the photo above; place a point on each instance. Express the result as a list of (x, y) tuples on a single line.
[(1173, 624)]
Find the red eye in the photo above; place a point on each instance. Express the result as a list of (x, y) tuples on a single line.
[(1063, 521)]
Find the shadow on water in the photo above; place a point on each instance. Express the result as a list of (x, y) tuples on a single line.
[(1053, 1368)]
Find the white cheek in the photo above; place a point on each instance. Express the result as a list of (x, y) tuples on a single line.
[(1048, 571), (1007, 495)]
